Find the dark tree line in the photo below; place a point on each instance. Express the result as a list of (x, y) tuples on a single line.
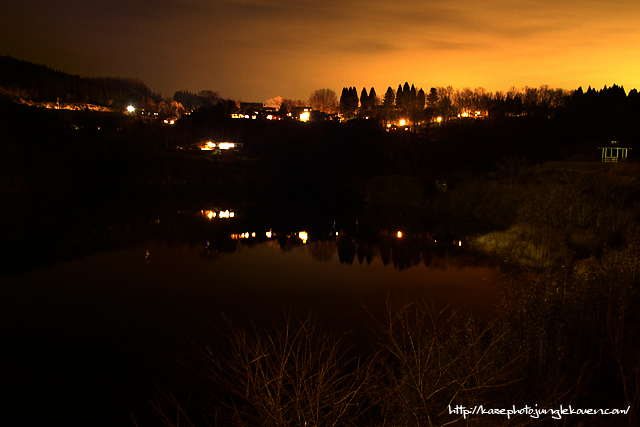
[(609, 108), (43, 84), (348, 101), (191, 100)]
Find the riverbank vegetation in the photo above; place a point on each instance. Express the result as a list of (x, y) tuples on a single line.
[(541, 352)]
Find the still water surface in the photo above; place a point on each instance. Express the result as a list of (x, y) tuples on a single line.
[(91, 336)]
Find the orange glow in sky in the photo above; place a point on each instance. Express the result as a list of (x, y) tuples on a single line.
[(254, 50)]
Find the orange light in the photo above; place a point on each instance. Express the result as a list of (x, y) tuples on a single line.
[(399, 234)]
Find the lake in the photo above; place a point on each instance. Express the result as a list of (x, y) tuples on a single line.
[(101, 304)]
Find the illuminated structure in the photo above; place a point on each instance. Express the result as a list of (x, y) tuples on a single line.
[(218, 146), (301, 113), (614, 153)]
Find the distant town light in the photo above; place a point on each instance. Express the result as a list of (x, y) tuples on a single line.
[(131, 108), (225, 145), (209, 213), (439, 119), (209, 145), (403, 122)]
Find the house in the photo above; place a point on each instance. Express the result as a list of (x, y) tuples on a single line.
[(614, 153)]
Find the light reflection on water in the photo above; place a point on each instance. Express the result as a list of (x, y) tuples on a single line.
[(263, 279), (119, 315)]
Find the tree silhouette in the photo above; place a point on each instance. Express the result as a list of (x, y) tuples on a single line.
[(389, 98), (348, 101), (364, 100), (400, 97), (373, 98), (324, 100), (432, 98)]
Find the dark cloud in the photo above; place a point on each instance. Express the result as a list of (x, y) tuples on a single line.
[(453, 46), (287, 13), (367, 46)]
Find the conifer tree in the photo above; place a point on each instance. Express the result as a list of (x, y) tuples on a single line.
[(364, 99), (373, 98), (400, 97), (389, 98), (420, 100)]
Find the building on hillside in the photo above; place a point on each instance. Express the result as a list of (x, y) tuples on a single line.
[(613, 153)]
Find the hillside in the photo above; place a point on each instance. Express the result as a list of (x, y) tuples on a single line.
[(38, 83)]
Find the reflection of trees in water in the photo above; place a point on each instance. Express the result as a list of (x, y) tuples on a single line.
[(99, 231), (408, 252), (385, 253), (288, 244), (323, 250), (405, 255), (365, 251), (346, 250), (211, 249)]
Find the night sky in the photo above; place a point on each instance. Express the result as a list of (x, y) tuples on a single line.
[(254, 50)]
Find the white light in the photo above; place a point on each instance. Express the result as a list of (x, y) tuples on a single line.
[(305, 116), (131, 109)]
